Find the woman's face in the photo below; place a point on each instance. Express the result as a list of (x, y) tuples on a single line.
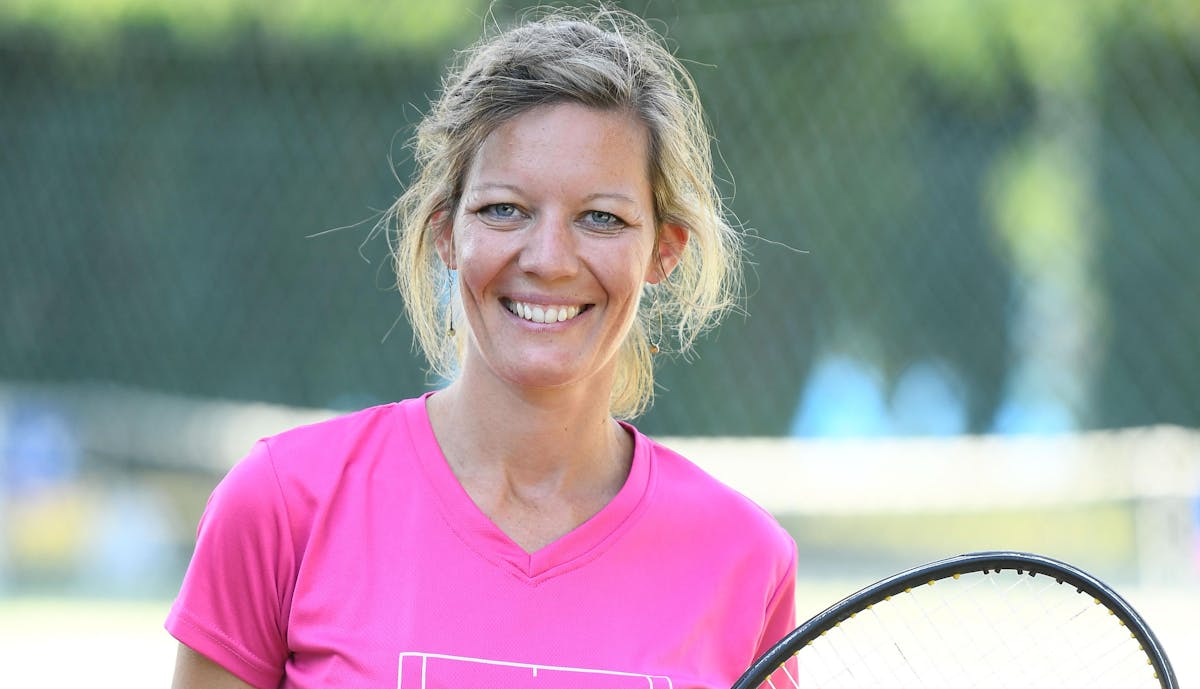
[(553, 239)]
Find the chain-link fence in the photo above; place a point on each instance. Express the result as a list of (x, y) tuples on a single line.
[(963, 216)]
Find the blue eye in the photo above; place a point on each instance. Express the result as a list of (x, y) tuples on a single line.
[(603, 219), (500, 210)]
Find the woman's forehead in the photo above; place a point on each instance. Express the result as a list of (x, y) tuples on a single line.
[(570, 145)]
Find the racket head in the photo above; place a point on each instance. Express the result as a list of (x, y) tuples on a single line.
[(1007, 563)]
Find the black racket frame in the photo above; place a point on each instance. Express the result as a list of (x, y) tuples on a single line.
[(986, 561)]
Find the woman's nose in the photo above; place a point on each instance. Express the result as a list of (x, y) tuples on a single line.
[(551, 248)]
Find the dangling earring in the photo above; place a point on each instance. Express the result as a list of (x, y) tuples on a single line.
[(450, 304), (663, 273), (654, 349)]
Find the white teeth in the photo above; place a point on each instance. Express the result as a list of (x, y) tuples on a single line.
[(542, 314)]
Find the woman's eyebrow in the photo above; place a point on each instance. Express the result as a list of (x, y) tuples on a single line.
[(491, 186), (610, 195), (488, 186)]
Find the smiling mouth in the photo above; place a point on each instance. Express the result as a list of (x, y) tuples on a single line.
[(540, 313)]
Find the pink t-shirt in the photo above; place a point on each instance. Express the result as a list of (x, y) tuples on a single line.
[(346, 554)]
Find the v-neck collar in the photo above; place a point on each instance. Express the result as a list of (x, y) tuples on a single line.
[(572, 550)]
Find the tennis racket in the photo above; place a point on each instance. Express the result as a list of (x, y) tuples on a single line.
[(989, 619)]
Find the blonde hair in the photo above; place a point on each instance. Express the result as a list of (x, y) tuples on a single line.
[(601, 58)]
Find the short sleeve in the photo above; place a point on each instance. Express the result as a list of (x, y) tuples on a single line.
[(234, 600), (781, 620), (781, 611)]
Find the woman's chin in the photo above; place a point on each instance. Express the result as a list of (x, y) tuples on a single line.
[(542, 379), (535, 374)]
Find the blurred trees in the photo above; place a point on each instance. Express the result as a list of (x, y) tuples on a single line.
[(1003, 193)]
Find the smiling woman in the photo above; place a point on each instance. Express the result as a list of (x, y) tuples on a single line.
[(557, 216), (509, 530), (611, 62)]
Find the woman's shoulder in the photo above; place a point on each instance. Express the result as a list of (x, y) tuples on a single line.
[(311, 451), (338, 429), (307, 464), (692, 491)]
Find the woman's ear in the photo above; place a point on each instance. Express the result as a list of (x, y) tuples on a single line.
[(672, 239), (443, 237)]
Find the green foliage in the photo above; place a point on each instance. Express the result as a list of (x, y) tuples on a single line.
[(370, 25), (977, 46), (165, 164)]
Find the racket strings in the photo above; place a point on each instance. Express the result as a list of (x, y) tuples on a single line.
[(1091, 634), (859, 661), (965, 600), (978, 630), (1037, 605), (1025, 599), (1067, 634)]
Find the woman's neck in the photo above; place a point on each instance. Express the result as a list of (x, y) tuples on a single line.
[(537, 463), (531, 435)]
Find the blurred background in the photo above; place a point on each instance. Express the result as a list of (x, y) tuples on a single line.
[(972, 317)]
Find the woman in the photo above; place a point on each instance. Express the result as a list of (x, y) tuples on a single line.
[(508, 530)]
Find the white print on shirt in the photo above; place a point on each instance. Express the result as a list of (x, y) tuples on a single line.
[(437, 671)]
